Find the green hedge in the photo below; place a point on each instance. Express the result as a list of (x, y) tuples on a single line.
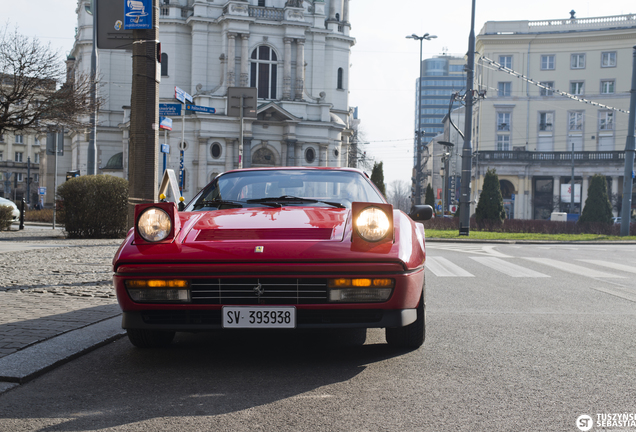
[(6, 216), (94, 206)]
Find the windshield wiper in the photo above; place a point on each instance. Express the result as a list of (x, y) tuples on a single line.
[(218, 204), (289, 199)]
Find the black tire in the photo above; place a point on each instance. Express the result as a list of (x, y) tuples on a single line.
[(142, 338), (412, 336)]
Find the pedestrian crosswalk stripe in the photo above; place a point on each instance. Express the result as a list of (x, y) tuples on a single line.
[(573, 268), (442, 267), (612, 265), (508, 268)]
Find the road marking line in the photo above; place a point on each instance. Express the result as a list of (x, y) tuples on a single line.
[(441, 267), (508, 268), (573, 268), (612, 265)]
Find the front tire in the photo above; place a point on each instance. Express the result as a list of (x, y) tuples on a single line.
[(142, 338), (412, 336)]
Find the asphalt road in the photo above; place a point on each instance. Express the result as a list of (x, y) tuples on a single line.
[(519, 338)]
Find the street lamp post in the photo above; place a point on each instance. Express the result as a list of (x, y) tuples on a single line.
[(418, 133), (448, 150)]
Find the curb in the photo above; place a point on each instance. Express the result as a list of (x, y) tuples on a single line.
[(35, 360)]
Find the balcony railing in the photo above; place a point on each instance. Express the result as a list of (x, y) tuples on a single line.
[(552, 157), (265, 13)]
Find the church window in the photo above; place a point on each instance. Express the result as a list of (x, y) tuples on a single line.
[(264, 69)]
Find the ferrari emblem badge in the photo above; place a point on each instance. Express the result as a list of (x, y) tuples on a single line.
[(259, 249)]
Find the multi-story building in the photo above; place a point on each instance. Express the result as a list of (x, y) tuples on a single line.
[(441, 77), (296, 53), (533, 135), (19, 158)]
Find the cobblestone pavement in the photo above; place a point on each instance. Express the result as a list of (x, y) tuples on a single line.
[(51, 290)]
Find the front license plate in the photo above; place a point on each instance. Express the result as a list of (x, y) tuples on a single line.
[(259, 317)]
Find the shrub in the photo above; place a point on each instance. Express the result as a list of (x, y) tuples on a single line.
[(94, 206), (490, 209), (6, 217), (597, 205), (429, 198), (44, 215)]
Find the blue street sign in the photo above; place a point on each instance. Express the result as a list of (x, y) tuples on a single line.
[(138, 14), (165, 148), (41, 191), (169, 110), (181, 95), (200, 108), (513, 197), (165, 123)]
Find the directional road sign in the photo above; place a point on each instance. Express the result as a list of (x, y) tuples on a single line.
[(181, 95), (165, 123), (200, 108), (169, 110)]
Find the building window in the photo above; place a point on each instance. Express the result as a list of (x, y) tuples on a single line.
[(576, 87), (36, 178), (608, 59), (164, 64), (575, 121), (546, 121), (506, 61), (503, 121), (546, 92), (264, 72), (36, 158), (1, 137), (261, 3), (577, 61), (607, 87), (1, 156), (340, 76), (547, 62), (606, 120), (19, 139), (20, 177), (503, 142), (310, 155), (18, 156), (215, 150), (503, 89)]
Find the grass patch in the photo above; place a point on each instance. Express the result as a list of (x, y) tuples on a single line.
[(488, 235)]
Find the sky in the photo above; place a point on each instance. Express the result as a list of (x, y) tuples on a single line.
[(384, 64)]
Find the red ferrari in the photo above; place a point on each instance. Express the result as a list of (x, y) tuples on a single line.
[(275, 248)]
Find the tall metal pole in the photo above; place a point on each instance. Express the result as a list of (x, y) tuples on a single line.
[(240, 158), (464, 199), (91, 153), (572, 184), (418, 152), (629, 156)]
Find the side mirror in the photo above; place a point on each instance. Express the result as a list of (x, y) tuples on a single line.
[(421, 213)]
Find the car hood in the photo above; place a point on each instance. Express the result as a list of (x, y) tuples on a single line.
[(285, 223)]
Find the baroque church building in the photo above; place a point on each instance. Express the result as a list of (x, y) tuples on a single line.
[(296, 53)]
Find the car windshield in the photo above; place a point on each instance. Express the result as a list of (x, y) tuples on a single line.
[(277, 188)]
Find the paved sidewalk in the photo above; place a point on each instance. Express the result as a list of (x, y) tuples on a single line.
[(50, 286)]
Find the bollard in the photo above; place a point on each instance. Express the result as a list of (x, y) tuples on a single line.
[(22, 214)]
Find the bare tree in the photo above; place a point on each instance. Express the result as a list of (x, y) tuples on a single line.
[(398, 195), (33, 94)]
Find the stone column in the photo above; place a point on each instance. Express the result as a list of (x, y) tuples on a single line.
[(229, 155), (299, 155), (614, 191), (202, 163), (244, 59), (556, 190), (324, 155), (283, 153), (345, 11), (300, 68), (231, 59), (287, 78), (291, 152), (584, 185)]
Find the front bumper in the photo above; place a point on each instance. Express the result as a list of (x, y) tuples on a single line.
[(202, 320)]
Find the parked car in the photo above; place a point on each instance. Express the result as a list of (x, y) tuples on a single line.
[(15, 212), (280, 248), (616, 220)]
